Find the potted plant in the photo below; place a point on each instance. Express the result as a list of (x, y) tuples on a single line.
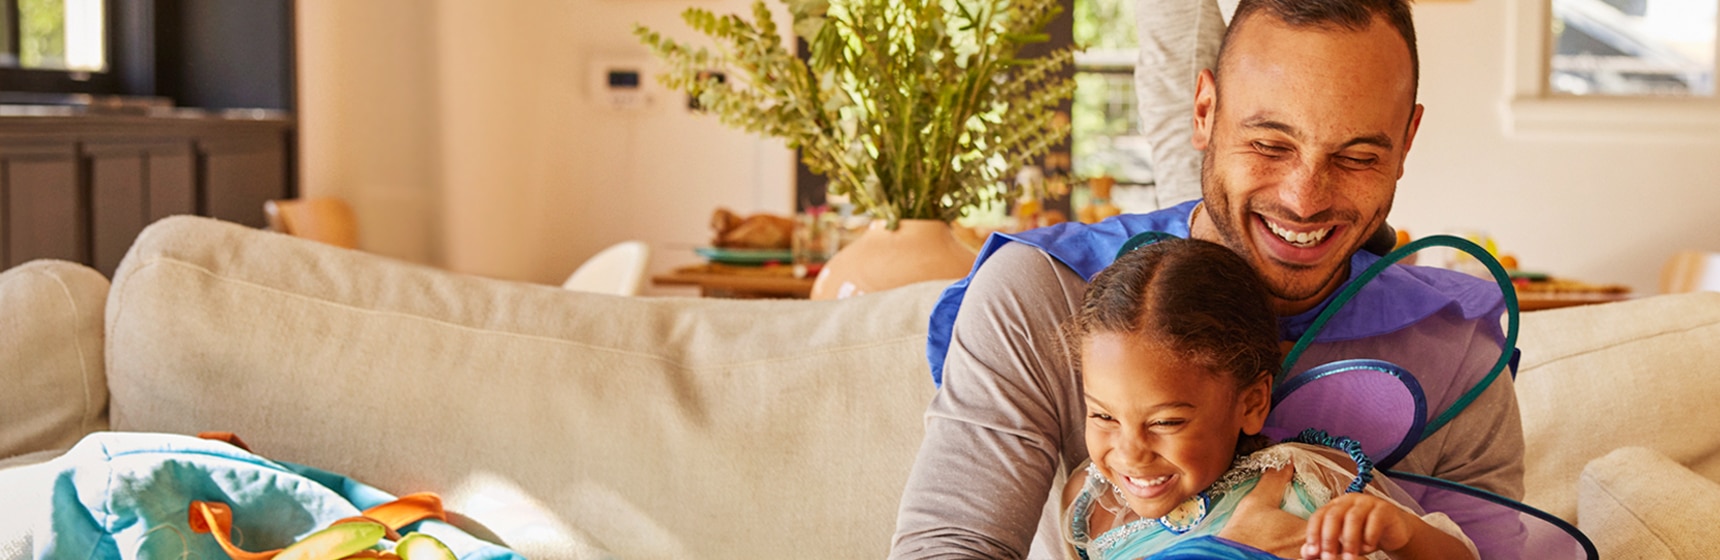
[(916, 110)]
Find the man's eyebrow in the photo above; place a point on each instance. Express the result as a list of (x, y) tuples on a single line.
[(1377, 139), (1269, 124), (1380, 140)]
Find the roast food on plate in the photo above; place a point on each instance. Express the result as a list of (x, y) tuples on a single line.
[(758, 231)]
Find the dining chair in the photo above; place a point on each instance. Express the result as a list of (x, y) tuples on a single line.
[(618, 270), (1691, 271), (324, 219)]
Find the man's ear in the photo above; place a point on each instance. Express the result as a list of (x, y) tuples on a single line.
[(1409, 136), (1255, 403), (1205, 105)]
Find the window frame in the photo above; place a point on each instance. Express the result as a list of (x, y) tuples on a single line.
[(128, 48), (1532, 110)]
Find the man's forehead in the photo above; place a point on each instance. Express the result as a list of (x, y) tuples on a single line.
[(1275, 70), (1263, 37)]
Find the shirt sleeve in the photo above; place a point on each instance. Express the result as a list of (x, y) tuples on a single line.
[(1005, 423), (1178, 39)]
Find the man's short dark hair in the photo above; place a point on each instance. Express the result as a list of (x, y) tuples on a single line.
[(1352, 15)]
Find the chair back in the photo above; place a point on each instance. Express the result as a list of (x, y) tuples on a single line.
[(1691, 271), (618, 270), (324, 219)]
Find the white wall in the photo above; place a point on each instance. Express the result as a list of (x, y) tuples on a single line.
[(465, 136), (485, 107), (1595, 208), (368, 124)]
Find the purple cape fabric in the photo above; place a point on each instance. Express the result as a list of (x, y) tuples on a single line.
[(1398, 298)]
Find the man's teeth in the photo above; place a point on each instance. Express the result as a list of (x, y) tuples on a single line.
[(1304, 239)]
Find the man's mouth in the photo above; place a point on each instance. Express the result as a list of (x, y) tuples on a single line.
[(1297, 238)]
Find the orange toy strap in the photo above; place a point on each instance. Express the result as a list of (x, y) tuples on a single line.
[(228, 437), (217, 519), (407, 510)]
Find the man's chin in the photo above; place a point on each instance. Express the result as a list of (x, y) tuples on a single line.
[(1293, 283)]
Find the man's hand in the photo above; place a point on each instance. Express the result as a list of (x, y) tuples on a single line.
[(1260, 520)]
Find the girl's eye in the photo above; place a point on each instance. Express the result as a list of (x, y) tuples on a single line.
[(1102, 417), (1169, 423)]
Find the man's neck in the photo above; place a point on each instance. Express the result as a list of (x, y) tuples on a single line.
[(1201, 227)]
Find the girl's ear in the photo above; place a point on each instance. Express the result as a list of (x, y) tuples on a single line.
[(1254, 403)]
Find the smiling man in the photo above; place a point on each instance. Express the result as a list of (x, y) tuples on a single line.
[(1305, 126)]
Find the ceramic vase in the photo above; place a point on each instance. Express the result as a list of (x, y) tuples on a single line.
[(919, 250)]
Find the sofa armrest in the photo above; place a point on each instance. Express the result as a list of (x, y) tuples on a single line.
[(1638, 503), (53, 389)]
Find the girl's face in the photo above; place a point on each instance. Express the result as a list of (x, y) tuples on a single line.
[(1158, 428)]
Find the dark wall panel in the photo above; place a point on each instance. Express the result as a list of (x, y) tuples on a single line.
[(44, 206), (117, 184), (226, 54)]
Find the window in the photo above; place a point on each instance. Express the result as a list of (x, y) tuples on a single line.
[(1632, 47), (1106, 125), (1613, 68), (55, 46)]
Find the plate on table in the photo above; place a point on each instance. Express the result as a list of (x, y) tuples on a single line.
[(745, 256)]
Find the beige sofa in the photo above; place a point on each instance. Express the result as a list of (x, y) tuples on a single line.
[(584, 426)]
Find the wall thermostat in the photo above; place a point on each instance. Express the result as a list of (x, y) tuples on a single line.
[(621, 84)]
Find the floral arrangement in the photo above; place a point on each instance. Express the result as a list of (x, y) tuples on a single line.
[(914, 109)]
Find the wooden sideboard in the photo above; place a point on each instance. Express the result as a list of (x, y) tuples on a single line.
[(80, 187)]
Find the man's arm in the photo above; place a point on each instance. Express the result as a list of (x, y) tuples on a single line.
[(998, 429), (1178, 39)]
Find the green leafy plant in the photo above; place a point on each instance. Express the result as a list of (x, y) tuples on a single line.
[(914, 109)]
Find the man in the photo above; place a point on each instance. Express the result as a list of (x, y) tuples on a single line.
[(1304, 126)]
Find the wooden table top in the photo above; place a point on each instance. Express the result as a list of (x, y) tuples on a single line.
[(1528, 301), (719, 280)]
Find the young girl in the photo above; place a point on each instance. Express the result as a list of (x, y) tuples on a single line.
[(1177, 349)]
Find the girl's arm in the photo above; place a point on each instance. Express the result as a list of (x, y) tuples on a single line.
[(1354, 525)]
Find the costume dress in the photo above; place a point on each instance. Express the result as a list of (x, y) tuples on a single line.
[(1319, 478), (1007, 422)]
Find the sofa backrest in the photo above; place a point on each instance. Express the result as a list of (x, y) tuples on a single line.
[(1639, 373), (650, 427)]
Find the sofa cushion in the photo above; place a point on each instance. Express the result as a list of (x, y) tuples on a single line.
[(1636, 503), (1636, 373), (51, 362), (660, 427)]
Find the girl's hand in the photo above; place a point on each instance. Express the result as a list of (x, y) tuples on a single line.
[(1355, 525)]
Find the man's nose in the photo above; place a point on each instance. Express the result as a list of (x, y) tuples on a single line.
[(1307, 190)]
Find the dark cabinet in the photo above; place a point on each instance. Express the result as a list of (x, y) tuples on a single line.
[(80, 188)]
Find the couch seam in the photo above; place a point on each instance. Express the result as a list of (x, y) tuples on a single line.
[(78, 345), (1617, 344), (469, 328)]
